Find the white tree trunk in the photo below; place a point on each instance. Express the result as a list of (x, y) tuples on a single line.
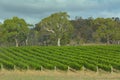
[(26, 42), (16, 42), (118, 42), (58, 43)]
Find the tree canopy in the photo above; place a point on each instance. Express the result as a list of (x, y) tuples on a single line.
[(58, 24), (58, 29), (14, 30)]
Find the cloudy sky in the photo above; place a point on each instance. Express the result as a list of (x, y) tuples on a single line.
[(34, 10)]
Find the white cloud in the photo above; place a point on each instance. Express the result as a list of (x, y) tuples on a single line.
[(34, 10)]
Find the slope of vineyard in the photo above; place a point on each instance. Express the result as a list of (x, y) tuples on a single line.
[(91, 57)]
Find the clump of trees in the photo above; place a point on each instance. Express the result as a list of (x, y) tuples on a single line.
[(14, 32), (99, 30), (57, 29)]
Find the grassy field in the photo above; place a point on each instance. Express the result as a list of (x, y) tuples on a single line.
[(58, 75)]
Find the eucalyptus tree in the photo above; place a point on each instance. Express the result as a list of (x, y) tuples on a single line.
[(58, 24), (15, 30), (108, 29)]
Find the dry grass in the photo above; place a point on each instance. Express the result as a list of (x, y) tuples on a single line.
[(56, 75)]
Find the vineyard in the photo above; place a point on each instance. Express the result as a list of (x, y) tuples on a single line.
[(90, 57)]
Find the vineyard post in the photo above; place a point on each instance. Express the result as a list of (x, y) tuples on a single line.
[(68, 69), (97, 70), (55, 68), (41, 68), (14, 67), (83, 68), (27, 67), (111, 69), (1, 66)]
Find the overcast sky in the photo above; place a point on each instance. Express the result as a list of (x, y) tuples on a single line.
[(34, 10)]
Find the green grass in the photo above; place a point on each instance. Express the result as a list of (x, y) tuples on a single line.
[(91, 57)]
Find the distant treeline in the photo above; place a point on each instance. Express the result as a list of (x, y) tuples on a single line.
[(57, 29)]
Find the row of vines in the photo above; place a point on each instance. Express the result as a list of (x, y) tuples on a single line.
[(91, 57)]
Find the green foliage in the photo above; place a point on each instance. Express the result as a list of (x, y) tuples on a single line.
[(108, 30), (90, 57), (57, 29), (14, 29), (57, 24)]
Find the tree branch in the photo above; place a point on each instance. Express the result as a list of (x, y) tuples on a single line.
[(50, 30)]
